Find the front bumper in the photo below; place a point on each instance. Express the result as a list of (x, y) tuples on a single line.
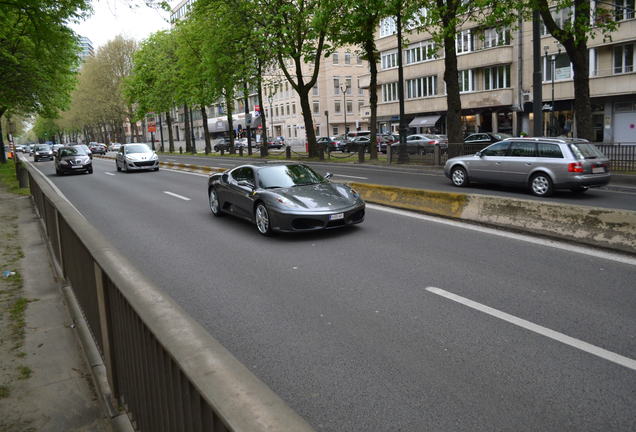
[(76, 167), (298, 221), (142, 165)]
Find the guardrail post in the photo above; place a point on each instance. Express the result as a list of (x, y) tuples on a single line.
[(104, 326), (389, 154), (241, 151), (21, 174), (288, 152), (437, 156)]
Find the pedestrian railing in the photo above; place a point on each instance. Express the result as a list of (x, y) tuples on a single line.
[(163, 368)]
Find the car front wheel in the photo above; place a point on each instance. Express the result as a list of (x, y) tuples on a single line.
[(263, 223), (541, 185), (215, 205), (459, 177)]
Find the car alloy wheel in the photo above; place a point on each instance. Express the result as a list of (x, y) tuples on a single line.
[(215, 206), (541, 185), (459, 177), (262, 219)]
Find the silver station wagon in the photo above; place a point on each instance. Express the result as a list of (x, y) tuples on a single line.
[(541, 164)]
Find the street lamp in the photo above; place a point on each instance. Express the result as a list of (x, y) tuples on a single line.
[(343, 88), (270, 98), (553, 58)]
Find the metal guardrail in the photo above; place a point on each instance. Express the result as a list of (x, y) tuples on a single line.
[(163, 368)]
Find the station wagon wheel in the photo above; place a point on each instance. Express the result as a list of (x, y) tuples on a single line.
[(261, 215), (541, 185), (215, 206), (459, 177)]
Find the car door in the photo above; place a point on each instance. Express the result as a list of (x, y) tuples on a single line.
[(520, 160), (487, 166), (240, 196), (119, 161)]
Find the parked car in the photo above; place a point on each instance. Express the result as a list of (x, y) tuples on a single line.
[(416, 144), (354, 144), (284, 197), (42, 151), (540, 164), (72, 159), (224, 144), (328, 144), (485, 138), (135, 157)]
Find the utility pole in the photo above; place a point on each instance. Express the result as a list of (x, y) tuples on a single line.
[(537, 89), (193, 147), (248, 121)]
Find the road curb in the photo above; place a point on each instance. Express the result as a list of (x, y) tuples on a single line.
[(599, 227)]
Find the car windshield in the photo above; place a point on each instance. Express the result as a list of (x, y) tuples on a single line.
[(72, 151), (42, 148), (287, 176), (586, 151), (137, 148)]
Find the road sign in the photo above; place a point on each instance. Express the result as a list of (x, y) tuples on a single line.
[(248, 119), (152, 128)]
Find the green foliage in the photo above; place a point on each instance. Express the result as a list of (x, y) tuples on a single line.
[(45, 128), (38, 54)]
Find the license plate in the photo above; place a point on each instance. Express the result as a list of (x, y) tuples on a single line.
[(77, 166), (598, 170), (336, 216)]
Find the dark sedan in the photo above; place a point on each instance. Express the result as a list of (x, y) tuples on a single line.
[(72, 159), (485, 138), (284, 197)]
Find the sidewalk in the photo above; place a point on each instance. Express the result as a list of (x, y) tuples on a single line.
[(45, 384)]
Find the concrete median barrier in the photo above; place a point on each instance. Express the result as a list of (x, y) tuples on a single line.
[(601, 227)]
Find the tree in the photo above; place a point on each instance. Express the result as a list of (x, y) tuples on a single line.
[(573, 34), (38, 55), (299, 34)]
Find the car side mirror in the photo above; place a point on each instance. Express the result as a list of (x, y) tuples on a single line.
[(478, 154), (245, 183), (328, 175)]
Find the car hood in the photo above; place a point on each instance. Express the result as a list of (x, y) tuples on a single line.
[(82, 158), (320, 197)]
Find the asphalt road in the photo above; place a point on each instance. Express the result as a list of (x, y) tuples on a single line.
[(615, 195), (344, 325)]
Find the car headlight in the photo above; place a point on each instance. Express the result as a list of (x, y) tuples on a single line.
[(63, 162), (285, 202), (154, 156), (130, 159)]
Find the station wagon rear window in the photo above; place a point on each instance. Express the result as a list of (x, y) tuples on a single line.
[(586, 151)]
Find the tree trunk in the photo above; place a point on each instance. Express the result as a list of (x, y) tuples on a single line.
[(369, 46), (186, 130), (314, 150), (453, 100), (259, 81), (230, 122), (3, 156), (170, 137), (206, 130), (582, 102)]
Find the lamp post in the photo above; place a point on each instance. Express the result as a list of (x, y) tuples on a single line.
[(553, 59), (343, 88)]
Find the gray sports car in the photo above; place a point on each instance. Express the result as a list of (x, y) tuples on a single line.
[(284, 197)]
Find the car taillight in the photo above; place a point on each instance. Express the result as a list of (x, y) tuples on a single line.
[(576, 167)]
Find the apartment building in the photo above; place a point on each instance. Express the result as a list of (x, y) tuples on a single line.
[(495, 77)]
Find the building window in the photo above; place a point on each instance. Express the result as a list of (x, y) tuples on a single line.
[(561, 67), (316, 107), (336, 85), (347, 58), (335, 59), (593, 62), (336, 107), (465, 42), (359, 60), (421, 87), (624, 59), (349, 107), (315, 90), (497, 77), (348, 83), (389, 60), (334, 130), (390, 92), (387, 27), (466, 81), (623, 9), (287, 109), (560, 16), (293, 108), (296, 131), (420, 52), (360, 105), (496, 37), (276, 111)]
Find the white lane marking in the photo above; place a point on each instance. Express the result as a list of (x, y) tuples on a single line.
[(184, 172), (557, 244), (544, 331), (109, 173), (177, 195), (171, 160), (349, 176)]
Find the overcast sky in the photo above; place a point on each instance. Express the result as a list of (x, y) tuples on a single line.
[(130, 18)]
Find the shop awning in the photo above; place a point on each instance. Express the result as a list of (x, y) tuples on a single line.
[(426, 121)]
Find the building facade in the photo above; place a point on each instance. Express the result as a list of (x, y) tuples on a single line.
[(495, 78), (86, 47)]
